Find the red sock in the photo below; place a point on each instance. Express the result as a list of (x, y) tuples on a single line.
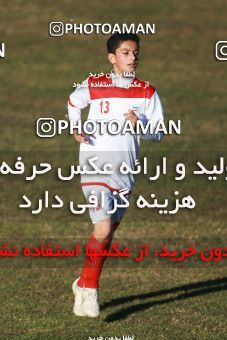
[(93, 265)]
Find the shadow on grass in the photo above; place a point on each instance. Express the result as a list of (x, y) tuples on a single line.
[(186, 291)]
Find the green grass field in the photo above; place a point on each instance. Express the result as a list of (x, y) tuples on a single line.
[(164, 301)]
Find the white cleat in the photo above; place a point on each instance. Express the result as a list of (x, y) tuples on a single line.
[(86, 301), (79, 297), (90, 303)]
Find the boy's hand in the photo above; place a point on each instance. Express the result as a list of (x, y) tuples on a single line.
[(130, 115), (80, 138)]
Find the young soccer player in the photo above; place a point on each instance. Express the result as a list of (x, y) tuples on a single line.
[(118, 95)]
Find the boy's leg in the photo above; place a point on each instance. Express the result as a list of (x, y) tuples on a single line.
[(100, 240), (85, 288)]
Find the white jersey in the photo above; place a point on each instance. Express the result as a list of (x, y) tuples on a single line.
[(110, 97)]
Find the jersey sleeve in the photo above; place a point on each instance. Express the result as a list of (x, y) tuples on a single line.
[(77, 101), (153, 114)]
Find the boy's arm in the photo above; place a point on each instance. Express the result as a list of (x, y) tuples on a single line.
[(154, 114), (77, 101)]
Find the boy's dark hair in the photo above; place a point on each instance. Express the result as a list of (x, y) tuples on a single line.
[(115, 40)]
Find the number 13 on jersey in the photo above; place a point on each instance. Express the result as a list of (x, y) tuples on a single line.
[(104, 106)]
